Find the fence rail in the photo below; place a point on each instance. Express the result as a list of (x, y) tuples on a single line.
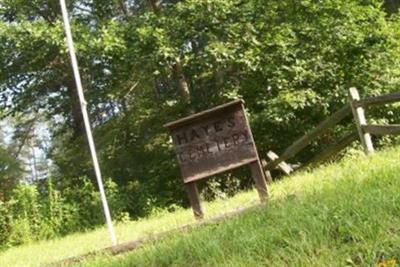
[(379, 100), (364, 131), (382, 129), (334, 149), (306, 139)]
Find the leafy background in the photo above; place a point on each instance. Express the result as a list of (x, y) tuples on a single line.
[(145, 63)]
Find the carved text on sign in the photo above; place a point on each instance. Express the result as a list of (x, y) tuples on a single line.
[(213, 141), (195, 147)]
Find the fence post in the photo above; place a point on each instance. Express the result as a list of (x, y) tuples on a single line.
[(359, 117)]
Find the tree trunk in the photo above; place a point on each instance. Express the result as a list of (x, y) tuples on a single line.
[(78, 125), (182, 83), (177, 71), (391, 6), (219, 76), (155, 6)]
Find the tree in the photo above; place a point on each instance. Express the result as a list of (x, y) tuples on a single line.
[(142, 61), (10, 173)]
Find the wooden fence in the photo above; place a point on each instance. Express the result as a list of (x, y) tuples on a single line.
[(356, 106)]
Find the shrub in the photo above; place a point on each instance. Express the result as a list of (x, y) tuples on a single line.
[(4, 223), (30, 215)]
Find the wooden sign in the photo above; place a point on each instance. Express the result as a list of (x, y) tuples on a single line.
[(215, 141)]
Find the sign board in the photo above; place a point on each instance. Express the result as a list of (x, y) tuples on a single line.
[(213, 141)]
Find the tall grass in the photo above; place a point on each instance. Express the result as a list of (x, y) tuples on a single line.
[(40, 253), (346, 214)]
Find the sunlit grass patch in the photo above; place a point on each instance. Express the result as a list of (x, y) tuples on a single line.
[(341, 214)]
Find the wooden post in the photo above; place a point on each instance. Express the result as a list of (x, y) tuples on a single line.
[(359, 117), (283, 166), (194, 198), (268, 176), (258, 176)]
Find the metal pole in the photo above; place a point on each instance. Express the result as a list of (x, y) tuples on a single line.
[(86, 121)]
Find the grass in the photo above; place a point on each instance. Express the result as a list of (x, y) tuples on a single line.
[(40, 253), (346, 214)]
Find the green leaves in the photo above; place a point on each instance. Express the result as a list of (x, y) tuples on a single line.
[(291, 61)]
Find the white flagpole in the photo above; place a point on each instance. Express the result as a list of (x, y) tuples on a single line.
[(86, 121)]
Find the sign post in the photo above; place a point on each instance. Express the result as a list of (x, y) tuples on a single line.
[(212, 142)]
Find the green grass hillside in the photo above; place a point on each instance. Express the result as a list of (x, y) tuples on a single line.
[(346, 214)]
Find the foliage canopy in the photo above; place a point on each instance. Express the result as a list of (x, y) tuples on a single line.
[(145, 63)]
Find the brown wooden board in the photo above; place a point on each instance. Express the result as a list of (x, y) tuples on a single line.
[(382, 129), (213, 141)]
